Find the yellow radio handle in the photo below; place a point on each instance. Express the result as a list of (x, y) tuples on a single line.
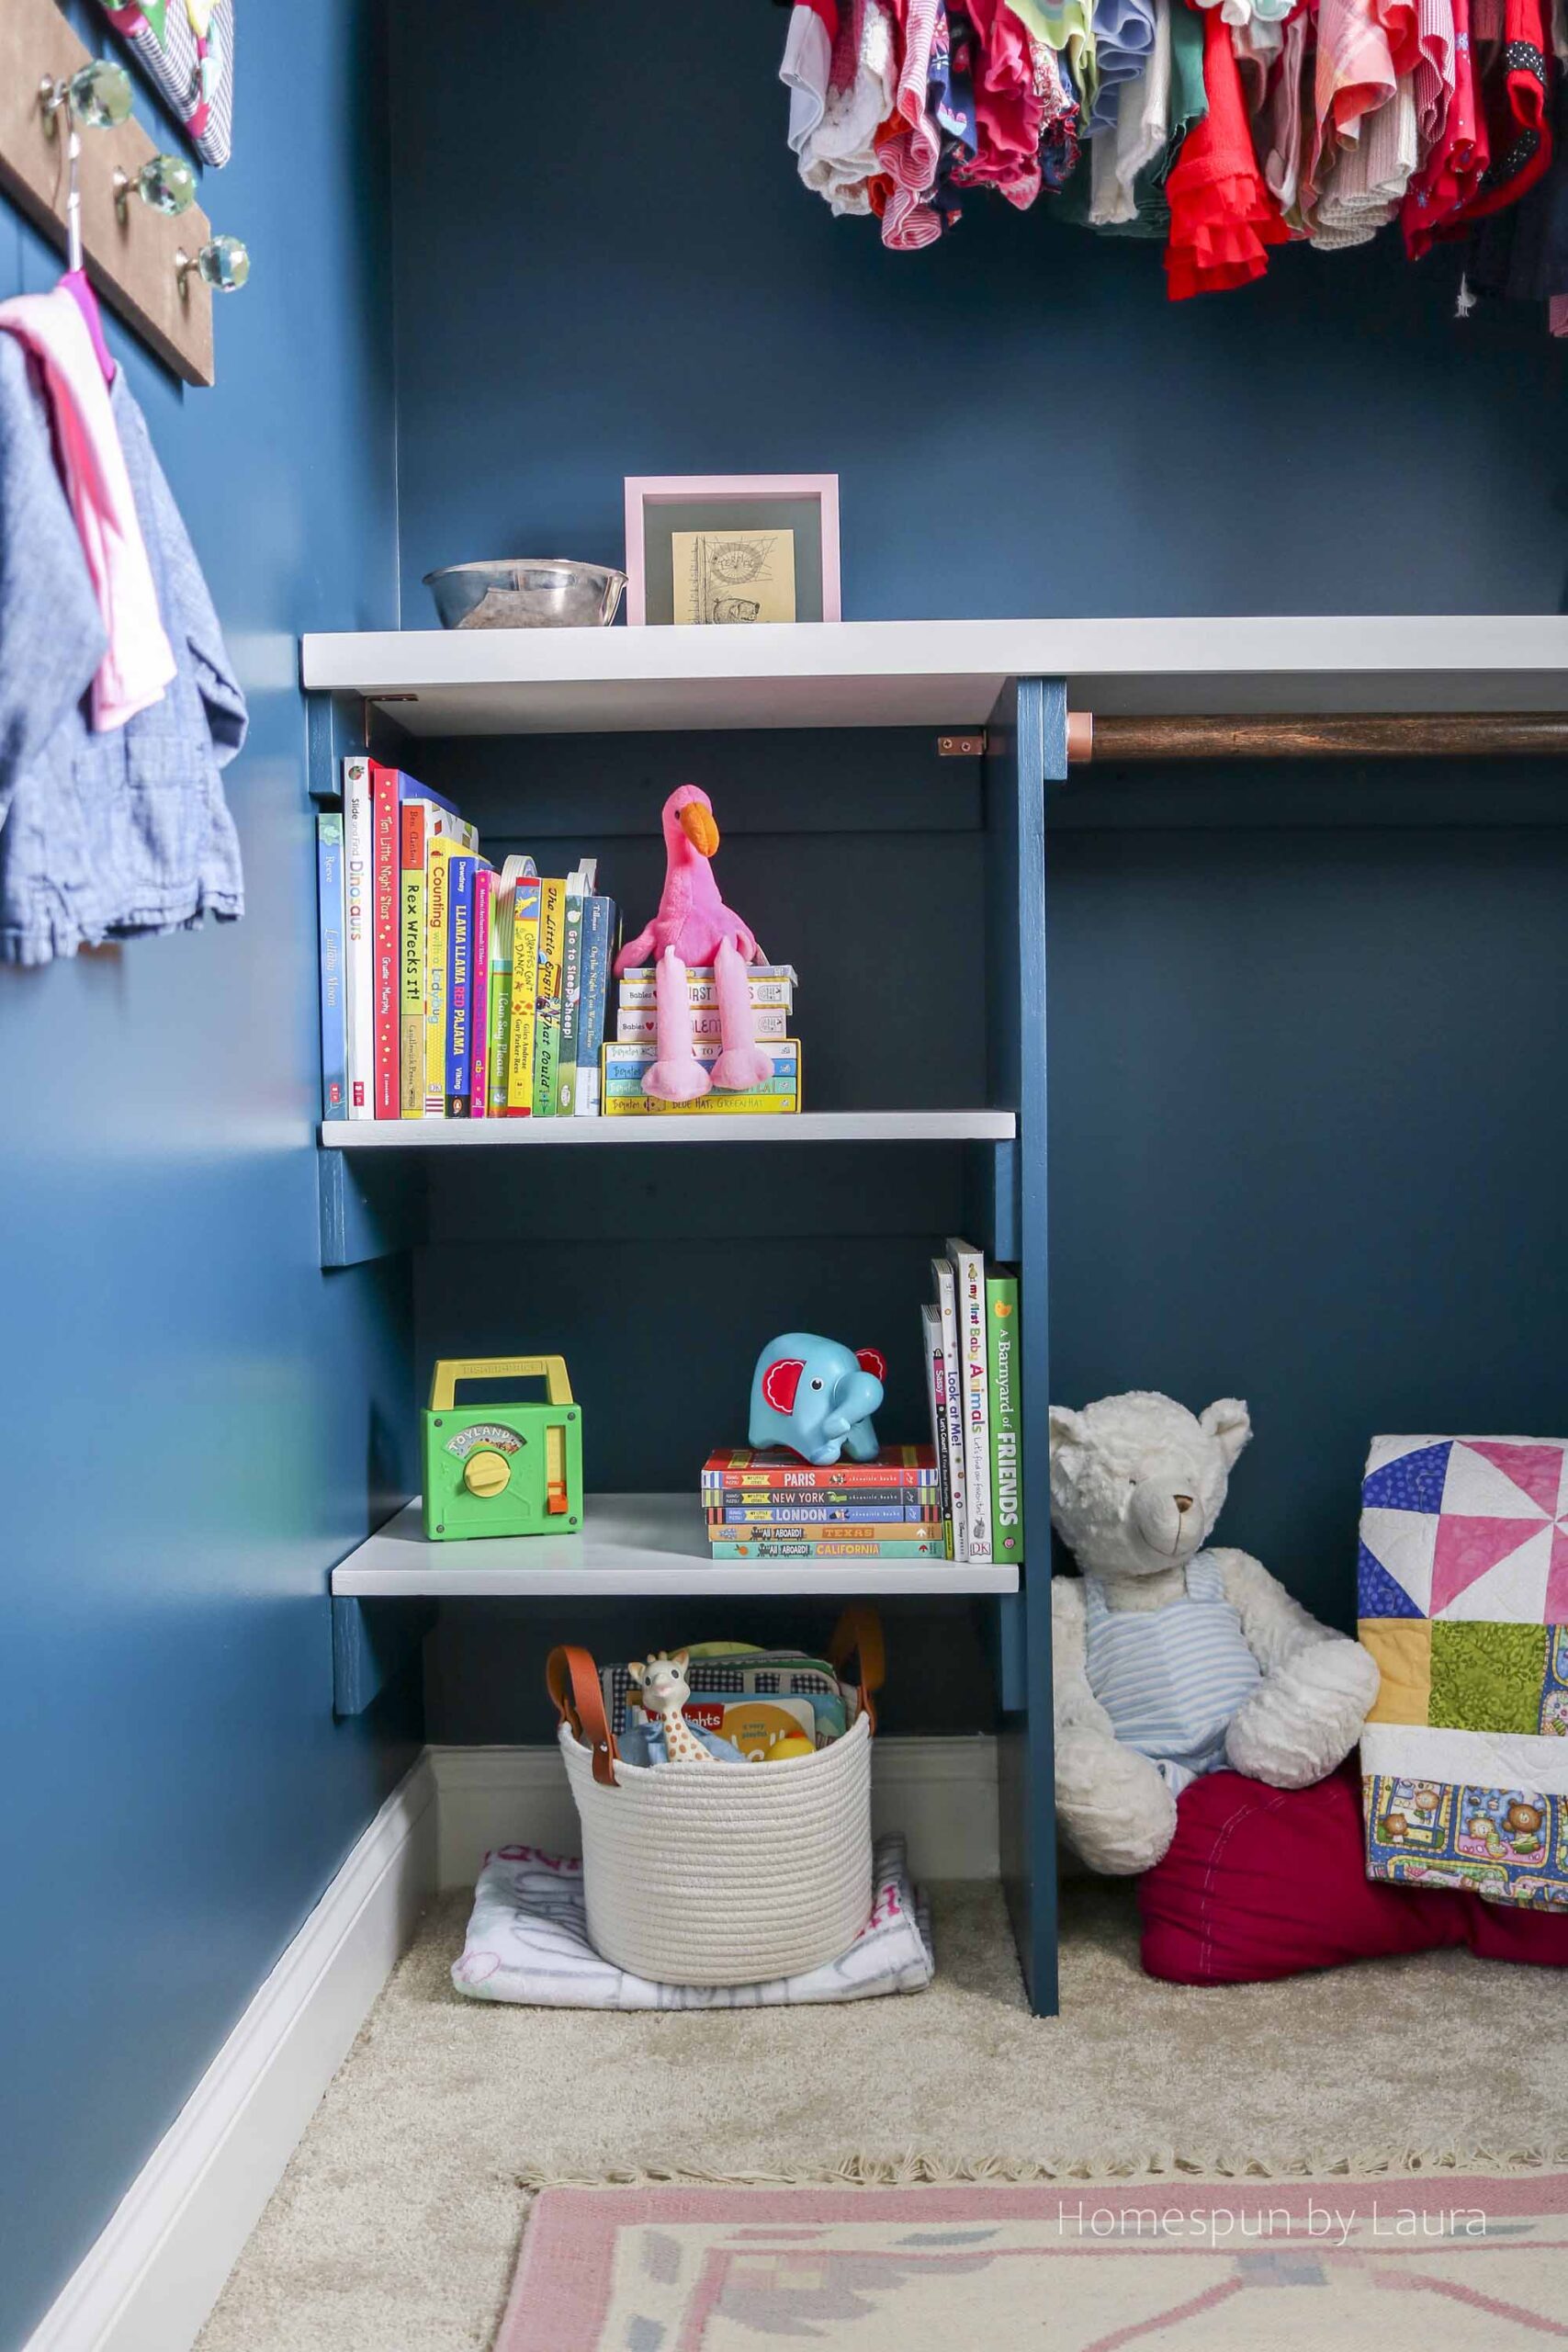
[(551, 1370)]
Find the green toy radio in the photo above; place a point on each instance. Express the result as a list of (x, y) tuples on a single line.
[(502, 1469)]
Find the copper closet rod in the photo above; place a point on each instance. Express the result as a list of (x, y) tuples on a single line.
[(1382, 735)]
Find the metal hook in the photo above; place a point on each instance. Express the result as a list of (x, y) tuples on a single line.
[(99, 94), (165, 183), (223, 263)]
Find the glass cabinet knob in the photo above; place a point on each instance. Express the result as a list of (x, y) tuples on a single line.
[(101, 93), (166, 182), (223, 263)]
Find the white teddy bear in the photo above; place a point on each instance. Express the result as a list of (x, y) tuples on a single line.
[(1171, 1661)]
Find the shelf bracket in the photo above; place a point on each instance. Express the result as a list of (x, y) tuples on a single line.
[(373, 1642), (368, 1209)]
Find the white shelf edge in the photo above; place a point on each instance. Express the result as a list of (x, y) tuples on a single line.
[(641, 1554), (719, 1127), (916, 673)]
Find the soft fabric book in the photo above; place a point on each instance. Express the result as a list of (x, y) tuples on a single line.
[(330, 911)]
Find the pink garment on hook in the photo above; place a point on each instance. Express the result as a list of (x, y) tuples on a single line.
[(138, 662), (74, 283)]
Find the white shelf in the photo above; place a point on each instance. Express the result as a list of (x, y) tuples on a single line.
[(630, 1544), (940, 673), (716, 1126)]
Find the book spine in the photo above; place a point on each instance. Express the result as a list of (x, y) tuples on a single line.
[(947, 1304), (359, 949), (570, 997), (548, 1002), (410, 1024), (969, 1276), (598, 948), (636, 1028), (920, 1500), (798, 1511), (809, 1530), (500, 993), (920, 1549), (639, 990), (936, 1400), (329, 918), (438, 856), (639, 1105), (386, 879), (625, 1065), (831, 1478), (525, 998), (479, 1022), (459, 982), (1001, 1355)]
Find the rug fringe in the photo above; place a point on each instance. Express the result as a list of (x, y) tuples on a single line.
[(916, 2170)]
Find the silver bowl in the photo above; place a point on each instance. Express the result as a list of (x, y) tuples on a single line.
[(527, 591)]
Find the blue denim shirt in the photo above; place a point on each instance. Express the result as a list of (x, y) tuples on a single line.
[(102, 835)]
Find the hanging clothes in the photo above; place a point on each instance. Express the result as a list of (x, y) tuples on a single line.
[(136, 663), (1521, 253), (1454, 168), (1124, 39), (1221, 219), (1006, 106), (807, 64), (104, 831), (1516, 92), (839, 156), (910, 146), (1140, 133)]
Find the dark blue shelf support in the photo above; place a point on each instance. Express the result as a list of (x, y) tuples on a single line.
[(373, 1642), (372, 1205), (1026, 753)]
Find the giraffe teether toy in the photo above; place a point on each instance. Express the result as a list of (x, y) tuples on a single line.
[(665, 1687)]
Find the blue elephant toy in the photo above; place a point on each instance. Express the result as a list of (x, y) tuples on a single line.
[(816, 1397)]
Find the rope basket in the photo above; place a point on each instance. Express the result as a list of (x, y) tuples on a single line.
[(721, 1873)]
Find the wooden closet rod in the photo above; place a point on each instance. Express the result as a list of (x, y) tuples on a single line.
[(1389, 735)]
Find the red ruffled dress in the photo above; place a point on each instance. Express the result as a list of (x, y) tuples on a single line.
[(1222, 218)]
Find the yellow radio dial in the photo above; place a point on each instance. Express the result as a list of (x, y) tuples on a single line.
[(487, 1473)]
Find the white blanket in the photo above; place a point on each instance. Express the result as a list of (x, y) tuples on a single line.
[(527, 1941)]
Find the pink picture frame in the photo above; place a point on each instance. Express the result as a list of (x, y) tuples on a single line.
[(647, 493)]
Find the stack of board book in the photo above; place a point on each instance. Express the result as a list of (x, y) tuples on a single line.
[(451, 991), (626, 1060), (770, 1505), (971, 1353)]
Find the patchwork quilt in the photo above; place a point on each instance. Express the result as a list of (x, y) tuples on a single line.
[(1463, 1602)]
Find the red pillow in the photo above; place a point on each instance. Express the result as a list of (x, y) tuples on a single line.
[(1266, 1882)]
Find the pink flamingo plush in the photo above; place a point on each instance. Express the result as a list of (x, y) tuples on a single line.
[(694, 928)]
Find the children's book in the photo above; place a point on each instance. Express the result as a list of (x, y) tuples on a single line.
[(439, 853), (749, 1468), (957, 1483), (772, 984), (623, 1068), (799, 1512), (499, 989), (425, 817), (1001, 1355), (386, 881), (579, 890), (359, 950), (598, 955), (459, 982), (547, 997), (479, 1019), (522, 875), (918, 1548), (936, 1400), (636, 1027), (330, 910), (969, 1275)]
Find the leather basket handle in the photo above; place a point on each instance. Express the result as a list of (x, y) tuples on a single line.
[(858, 1635), (573, 1681)]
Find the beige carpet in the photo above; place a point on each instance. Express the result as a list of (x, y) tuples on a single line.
[(395, 2228)]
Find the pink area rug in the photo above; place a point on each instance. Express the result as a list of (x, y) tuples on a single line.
[(1430, 2264)]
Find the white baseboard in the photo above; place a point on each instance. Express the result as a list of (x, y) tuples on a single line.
[(152, 2277), (940, 1792), (149, 2281)]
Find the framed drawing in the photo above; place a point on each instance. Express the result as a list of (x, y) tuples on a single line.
[(716, 549)]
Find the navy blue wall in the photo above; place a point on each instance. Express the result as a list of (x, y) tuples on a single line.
[(196, 1421), (629, 278), (1289, 1067)]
